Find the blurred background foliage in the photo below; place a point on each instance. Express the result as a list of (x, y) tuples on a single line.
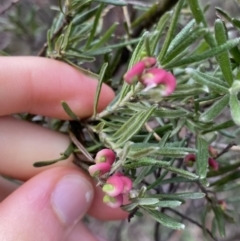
[(23, 30)]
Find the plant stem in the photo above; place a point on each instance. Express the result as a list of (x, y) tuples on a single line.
[(130, 94)]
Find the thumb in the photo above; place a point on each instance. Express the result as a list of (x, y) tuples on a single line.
[(46, 207)]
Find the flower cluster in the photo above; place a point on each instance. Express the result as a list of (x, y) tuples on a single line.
[(151, 76), (191, 158), (116, 185)]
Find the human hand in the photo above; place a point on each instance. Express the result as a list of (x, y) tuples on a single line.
[(52, 200)]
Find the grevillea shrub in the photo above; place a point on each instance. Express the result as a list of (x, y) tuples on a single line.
[(166, 146)]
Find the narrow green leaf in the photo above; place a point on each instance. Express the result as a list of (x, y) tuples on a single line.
[(236, 22), (106, 36), (66, 37), (129, 123), (223, 59), (141, 175), (202, 157), (81, 18), (165, 220), (150, 148), (223, 13), (203, 56), (235, 108), (145, 161), (63, 157), (58, 44), (129, 207), (192, 37), (182, 172), (235, 54), (204, 79), (179, 126), (171, 30), (227, 179), (183, 195), (216, 109), (169, 203), (143, 152), (160, 27), (94, 26), (170, 114), (147, 201), (135, 126), (99, 51), (182, 35), (99, 87), (69, 111), (223, 170), (137, 55), (220, 220), (200, 19), (222, 126), (112, 2)]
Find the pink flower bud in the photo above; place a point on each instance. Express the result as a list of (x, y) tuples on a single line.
[(222, 204), (99, 169), (137, 70), (114, 186), (212, 151), (155, 76), (105, 155), (189, 159), (213, 163), (134, 73), (113, 202), (127, 184)]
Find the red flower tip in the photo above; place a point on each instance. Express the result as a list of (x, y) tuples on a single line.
[(189, 159), (99, 169), (213, 163), (113, 202), (222, 204), (105, 155)]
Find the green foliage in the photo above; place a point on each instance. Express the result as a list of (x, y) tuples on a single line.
[(152, 134)]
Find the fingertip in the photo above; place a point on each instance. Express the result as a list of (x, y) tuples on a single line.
[(39, 85), (101, 211), (51, 204)]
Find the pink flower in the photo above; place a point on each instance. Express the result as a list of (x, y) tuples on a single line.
[(222, 204), (213, 163), (113, 202), (105, 155), (127, 182), (137, 70), (114, 186), (156, 76), (189, 159), (99, 169)]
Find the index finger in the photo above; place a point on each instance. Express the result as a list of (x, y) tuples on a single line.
[(38, 85)]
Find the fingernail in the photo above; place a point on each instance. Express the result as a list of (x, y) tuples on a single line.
[(71, 198)]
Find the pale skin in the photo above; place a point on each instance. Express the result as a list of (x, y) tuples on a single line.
[(38, 85)]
